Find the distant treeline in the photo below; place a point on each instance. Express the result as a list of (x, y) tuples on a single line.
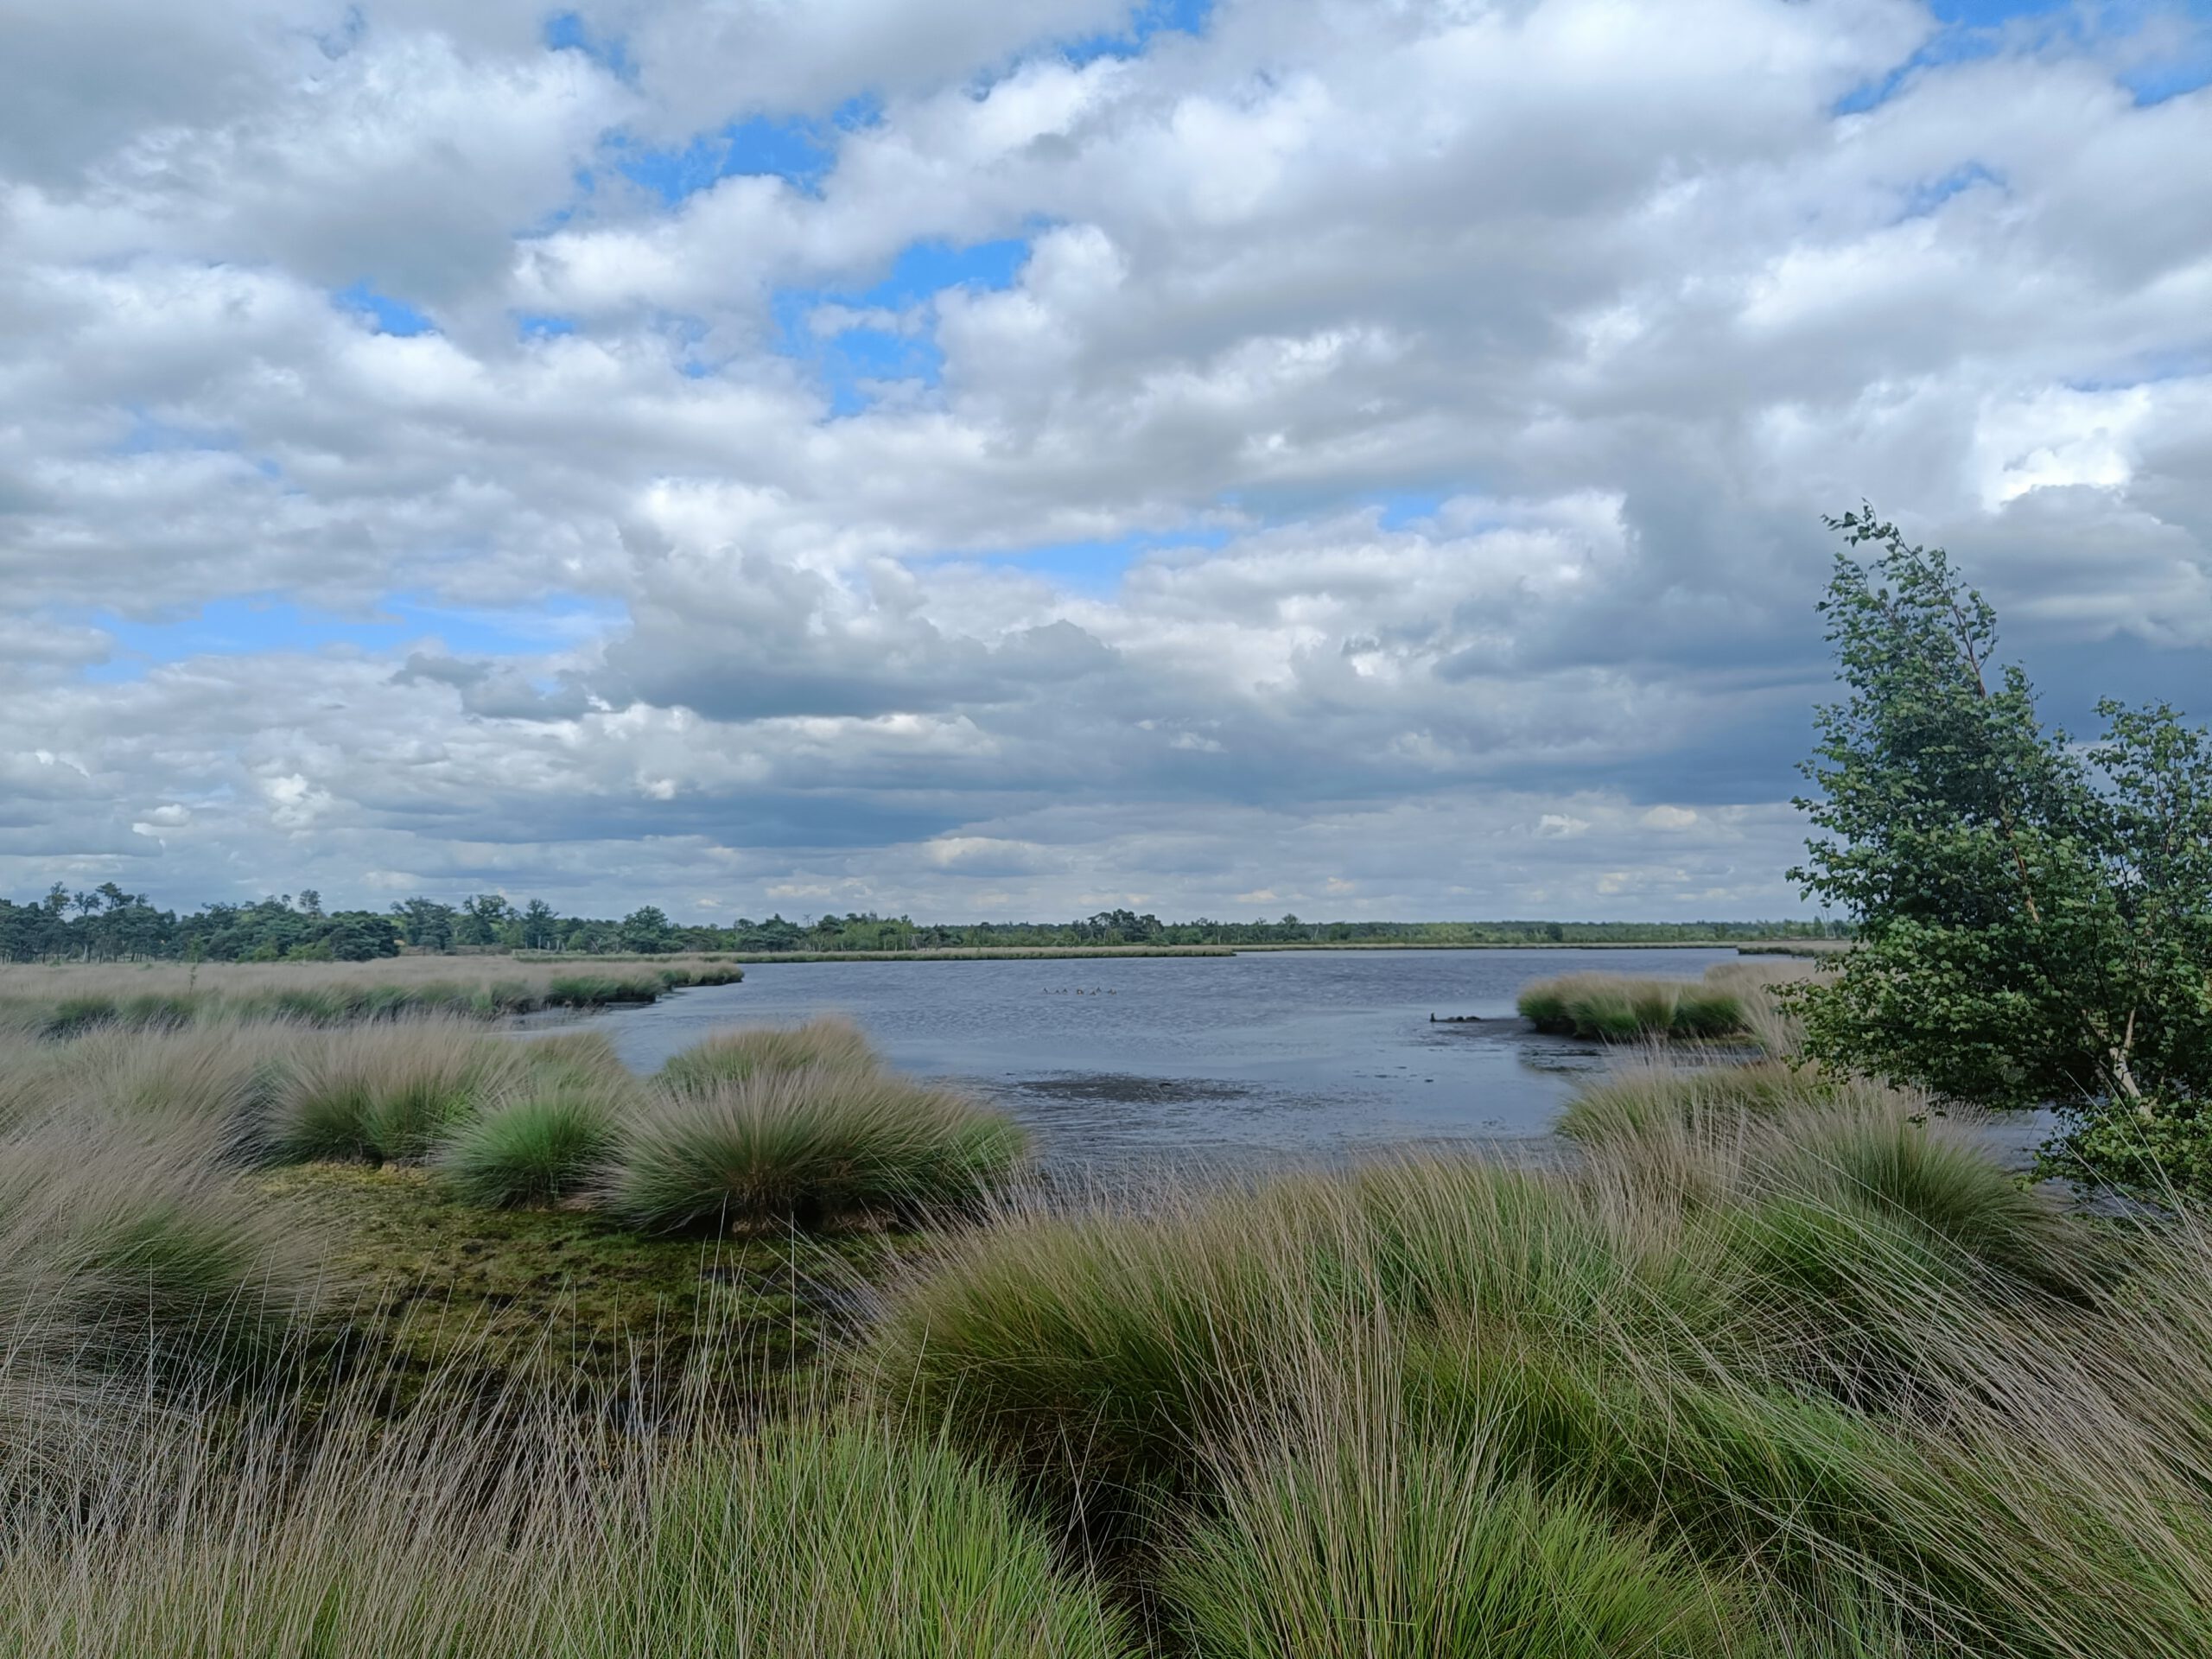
[(108, 924)]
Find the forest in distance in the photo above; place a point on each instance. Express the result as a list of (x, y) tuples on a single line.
[(107, 924)]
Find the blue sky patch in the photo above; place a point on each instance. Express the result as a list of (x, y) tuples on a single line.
[(1092, 567), (799, 152), (1149, 19), (255, 625), (848, 360), (567, 32), (1404, 507), (1982, 29), (1925, 197), (386, 315)]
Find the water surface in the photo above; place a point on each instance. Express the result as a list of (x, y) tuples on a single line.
[(1141, 1061)]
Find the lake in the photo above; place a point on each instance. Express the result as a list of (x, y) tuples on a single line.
[(1135, 1062)]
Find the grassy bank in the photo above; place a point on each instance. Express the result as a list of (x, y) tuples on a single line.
[(55, 1000), (410, 1338)]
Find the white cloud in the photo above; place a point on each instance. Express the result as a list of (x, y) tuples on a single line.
[(1440, 400)]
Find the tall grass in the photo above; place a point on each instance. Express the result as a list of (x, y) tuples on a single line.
[(127, 1243), (1777, 1364), (63, 1000), (225, 1538), (806, 1146), (843, 1538), (387, 1091), (826, 1044), (1860, 1393), (1354, 1534), (1733, 1001)]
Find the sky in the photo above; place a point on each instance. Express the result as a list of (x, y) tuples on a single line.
[(988, 461)]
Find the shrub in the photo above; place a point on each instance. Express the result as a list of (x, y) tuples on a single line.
[(828, 1044), (534, 1147), (805, 1147)]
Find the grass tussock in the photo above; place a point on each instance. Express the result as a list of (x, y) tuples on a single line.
[(128, 1244), (825, 1045), (1733, 1002), (1778, 1364), (845, 1538), (1355, 1534), (388, 1092), (804, 1147)]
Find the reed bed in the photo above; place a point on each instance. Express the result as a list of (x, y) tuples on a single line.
[(60, 1000)]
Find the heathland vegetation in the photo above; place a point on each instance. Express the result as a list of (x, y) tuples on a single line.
[(408, 1337)]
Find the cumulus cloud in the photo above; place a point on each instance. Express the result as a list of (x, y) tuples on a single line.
[(1370, 457)]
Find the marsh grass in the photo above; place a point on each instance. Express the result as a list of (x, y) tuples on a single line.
[(512, 1525), (537, 1147), (1615, 1009), (66, 999), (825, 1045), (804, 1147), (842, 1537), (1861, 1394), (1733, 1002), (1352, 1535), (388, 1092), (128, 1241), (1777, 1364)]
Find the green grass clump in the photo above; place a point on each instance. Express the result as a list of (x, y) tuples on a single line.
[(1615, 1009), (532, 1148), (386, 1092), (841, 1539), (551, 1136), (1098, 1352), (1644, 1102), (828, 1044), (806, 1148), (1409, 1548), (128, 1246)]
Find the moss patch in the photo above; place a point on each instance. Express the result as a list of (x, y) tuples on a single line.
[(439, 1286)]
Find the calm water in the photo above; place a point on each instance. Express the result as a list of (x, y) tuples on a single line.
[(1140, 1061)]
